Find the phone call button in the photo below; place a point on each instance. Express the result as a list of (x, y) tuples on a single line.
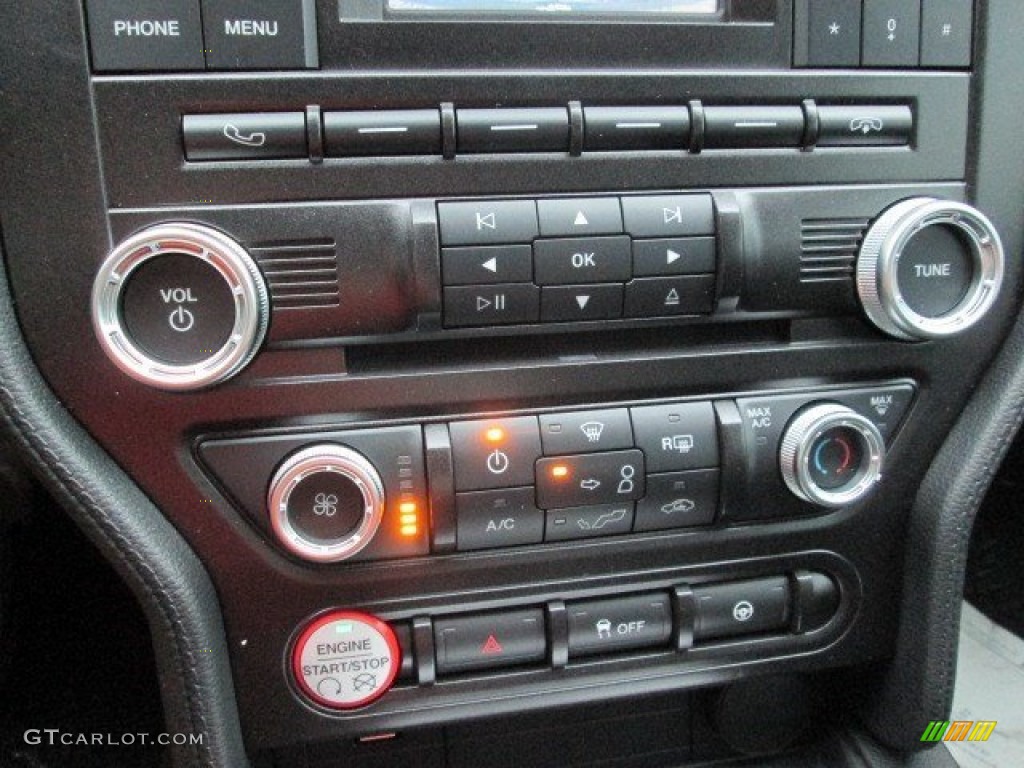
[(246, 136)]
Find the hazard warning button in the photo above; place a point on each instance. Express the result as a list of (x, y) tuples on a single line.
[(345, 660), (489, 640)]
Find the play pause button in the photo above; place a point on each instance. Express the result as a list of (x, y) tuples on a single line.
[(502, 304), (574, 303)]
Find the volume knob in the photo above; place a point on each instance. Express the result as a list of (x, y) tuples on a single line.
[(929, 269), (180, 306)]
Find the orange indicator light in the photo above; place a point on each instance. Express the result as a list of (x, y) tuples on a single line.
[(494, 435), (409, 519), (559, 471)]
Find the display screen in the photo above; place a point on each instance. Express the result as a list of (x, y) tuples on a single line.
[(535, 8)]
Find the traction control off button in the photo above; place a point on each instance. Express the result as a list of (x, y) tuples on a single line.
[(346, 660)]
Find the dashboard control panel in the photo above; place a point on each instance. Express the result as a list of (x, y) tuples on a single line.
[(538, 358)]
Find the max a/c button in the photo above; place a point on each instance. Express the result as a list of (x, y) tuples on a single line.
[(489, 640)]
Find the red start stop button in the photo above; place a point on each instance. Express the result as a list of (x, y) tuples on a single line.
[(346, 659)]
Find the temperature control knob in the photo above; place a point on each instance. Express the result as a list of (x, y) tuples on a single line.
[(831, 455), (929, 269), (180, 306), (326, 503)]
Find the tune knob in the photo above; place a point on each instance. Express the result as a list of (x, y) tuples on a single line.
[(929, 269), (831, 455), (180, 306), (326, 503)]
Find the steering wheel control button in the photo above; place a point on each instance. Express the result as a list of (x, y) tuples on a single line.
[(864, 126), (592, 478), (588, 522), (326, 502), (831, 455), (678, 500), (585, 431), (502, 518), (676, 437), (488, 222), (489, 641), (180, 306), (668, 215), (929, 269), (270, 34), (620, 624), (494, 453), (244, 136), (145, 35), (346, 660), (741, 608)]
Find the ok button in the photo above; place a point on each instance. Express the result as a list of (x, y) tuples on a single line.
[(582, 260)]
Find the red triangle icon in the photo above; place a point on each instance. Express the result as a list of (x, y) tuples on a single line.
[(492, 646)]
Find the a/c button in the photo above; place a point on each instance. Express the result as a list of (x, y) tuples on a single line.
[(505, 518)]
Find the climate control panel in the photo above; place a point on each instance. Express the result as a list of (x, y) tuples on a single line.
[(550, 477)]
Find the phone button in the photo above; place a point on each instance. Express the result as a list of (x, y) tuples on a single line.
[(254, 136)]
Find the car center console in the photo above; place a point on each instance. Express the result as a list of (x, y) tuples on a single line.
[(495, 357)]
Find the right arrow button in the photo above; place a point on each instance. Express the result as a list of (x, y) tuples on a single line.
[(674, 256)]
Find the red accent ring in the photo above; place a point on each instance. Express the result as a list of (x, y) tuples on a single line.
[(328, 618)]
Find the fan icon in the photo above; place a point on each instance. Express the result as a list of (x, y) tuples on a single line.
[(325, 505)]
